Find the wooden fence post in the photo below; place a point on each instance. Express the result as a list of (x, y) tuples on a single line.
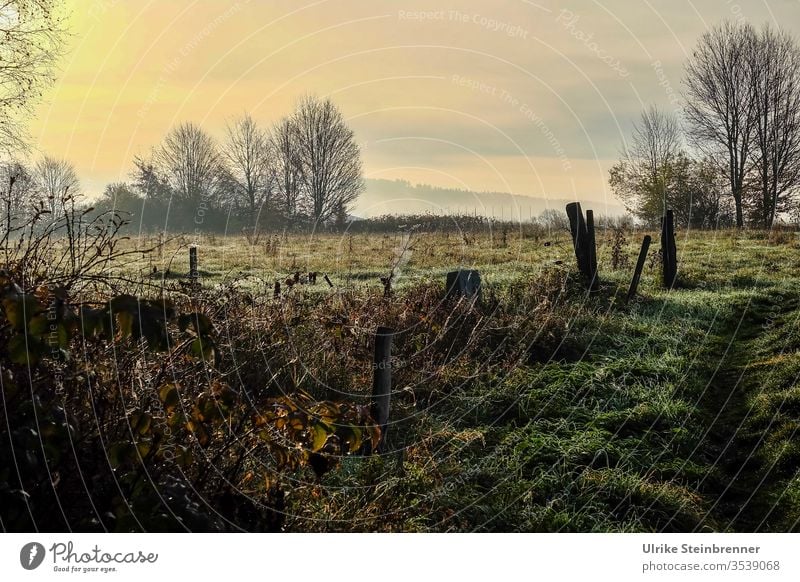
[(637, 274), (382, 380), (193, 272), (592, 250), (669, 254), (577, 227), (583, 240)]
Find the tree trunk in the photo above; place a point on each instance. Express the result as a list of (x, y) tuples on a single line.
[(737, 197)]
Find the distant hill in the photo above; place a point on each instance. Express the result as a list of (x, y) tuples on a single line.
[(403, 197)]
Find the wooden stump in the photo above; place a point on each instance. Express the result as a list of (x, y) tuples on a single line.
[(463, 283)]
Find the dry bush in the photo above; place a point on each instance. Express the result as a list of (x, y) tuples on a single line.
[(619, 256), (120, 414)]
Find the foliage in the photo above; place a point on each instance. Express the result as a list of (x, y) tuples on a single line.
[(619, 258), (121, 406), (195, 436), (693, 189), (534, 409)]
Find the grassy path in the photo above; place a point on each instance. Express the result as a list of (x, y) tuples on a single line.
[(746, 494)]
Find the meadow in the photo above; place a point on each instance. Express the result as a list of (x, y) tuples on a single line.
[(539, 407)]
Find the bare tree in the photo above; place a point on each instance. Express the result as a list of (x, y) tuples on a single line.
[(719, 101), (32, 32), (248, 153), (18, 191), (643, 177), (554, 220), (57, 183), (655, 143), (191, 163), (328, 157), (286, 167), (775, 77)]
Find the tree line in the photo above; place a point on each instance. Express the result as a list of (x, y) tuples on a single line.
[(304, 171), (732, 157)]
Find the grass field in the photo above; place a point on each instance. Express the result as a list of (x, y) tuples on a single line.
[(540, 408), (678, 412), (353, 261)]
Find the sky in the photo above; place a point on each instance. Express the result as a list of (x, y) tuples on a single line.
[(527, 97)]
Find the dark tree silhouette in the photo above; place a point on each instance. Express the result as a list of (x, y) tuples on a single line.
[(719, 109), (57, 183), (286, 167), (18, 189), (775, 77), (328, 157), (190, 161), (32, 33), (247, 153)]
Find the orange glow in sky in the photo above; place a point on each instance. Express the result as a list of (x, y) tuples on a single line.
[(527, 97)]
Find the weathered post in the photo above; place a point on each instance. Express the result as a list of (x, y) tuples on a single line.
[(382, 380), (276, 293), (193, 272), (328, 280), (592, 250), (577, 228), (637, 274), (669, 252), (583, 240)]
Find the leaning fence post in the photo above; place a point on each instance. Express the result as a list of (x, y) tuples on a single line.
[(382, 380), (637, 274), (193, 272), (669, 254)]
